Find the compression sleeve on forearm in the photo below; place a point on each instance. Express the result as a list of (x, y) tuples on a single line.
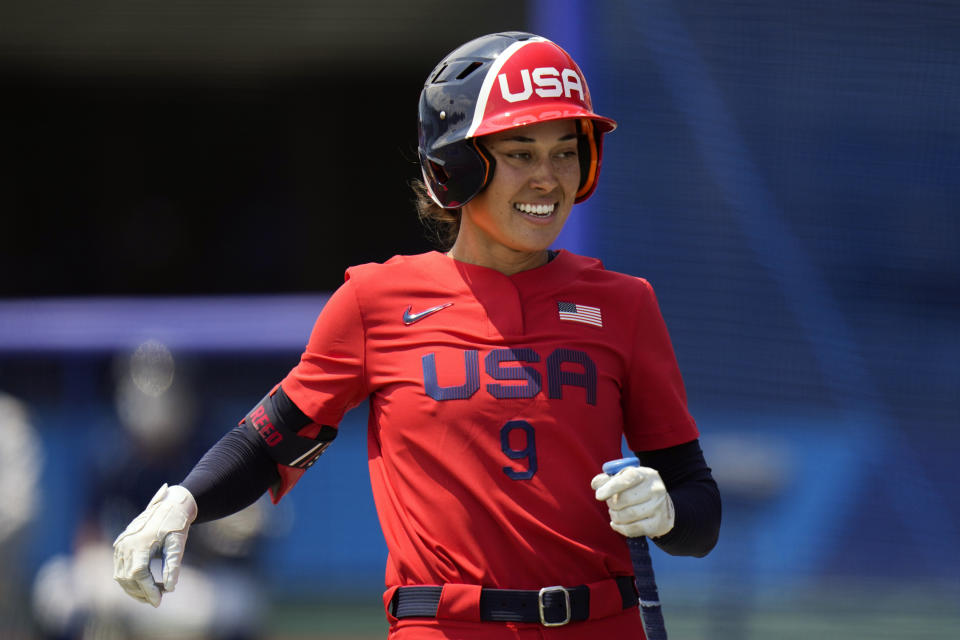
[(231, 475), (695, 496)]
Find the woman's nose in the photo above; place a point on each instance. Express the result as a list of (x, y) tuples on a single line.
[(544, 176)]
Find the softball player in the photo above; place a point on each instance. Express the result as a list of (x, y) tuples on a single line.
[(500, 375)]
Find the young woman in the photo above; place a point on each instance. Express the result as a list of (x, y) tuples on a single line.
[(501, 375)]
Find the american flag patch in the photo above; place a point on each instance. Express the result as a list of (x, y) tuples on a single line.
[(580, 313)]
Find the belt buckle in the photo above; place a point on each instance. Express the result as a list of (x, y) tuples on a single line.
[(566, 597)]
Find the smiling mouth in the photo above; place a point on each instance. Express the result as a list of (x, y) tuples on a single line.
[(537, 210)]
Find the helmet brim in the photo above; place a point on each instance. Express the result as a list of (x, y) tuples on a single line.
[(541, 113)]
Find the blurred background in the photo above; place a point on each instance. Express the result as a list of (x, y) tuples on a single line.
[(186, 183)]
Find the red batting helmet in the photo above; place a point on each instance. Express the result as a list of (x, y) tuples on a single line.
[(497, 82)]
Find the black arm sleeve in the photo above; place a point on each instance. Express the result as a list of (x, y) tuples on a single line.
[(695, 495), (231, 475)]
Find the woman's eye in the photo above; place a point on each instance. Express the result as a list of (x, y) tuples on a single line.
[(526, 156)]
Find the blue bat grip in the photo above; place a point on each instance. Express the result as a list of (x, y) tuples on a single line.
[(613, 466), (650, 611)]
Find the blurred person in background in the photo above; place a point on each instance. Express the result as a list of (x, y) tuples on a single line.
[(21, 460), (73, 596), (486, 475)]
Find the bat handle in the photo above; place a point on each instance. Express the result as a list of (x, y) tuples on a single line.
[(613, 466), (650, 611)]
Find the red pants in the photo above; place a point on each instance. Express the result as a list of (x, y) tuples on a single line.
[(623, 626)]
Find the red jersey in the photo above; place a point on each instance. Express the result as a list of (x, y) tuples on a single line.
[(494, 400)]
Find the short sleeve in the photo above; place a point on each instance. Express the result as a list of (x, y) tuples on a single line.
[(654, 401), (329, 379)]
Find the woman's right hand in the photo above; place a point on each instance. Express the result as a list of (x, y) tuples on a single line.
[(162, 526)]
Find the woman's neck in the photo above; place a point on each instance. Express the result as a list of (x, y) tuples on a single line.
[(506, 261)]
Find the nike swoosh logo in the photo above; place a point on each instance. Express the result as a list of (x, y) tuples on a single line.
[(410, 318)]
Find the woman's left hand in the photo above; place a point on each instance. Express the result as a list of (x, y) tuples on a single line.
[(637, 501)]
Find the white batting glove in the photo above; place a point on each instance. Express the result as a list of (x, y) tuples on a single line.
[(163, 525), (637, 501)]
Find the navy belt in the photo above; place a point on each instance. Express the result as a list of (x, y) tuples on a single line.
[(550, 606)]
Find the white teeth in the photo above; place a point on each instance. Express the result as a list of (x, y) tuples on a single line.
[(535, 209)]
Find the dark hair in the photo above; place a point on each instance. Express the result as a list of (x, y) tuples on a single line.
[(442, 225)]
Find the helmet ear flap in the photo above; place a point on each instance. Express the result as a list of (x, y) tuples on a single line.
[(589, 152), (457, 172), (488, 160)]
